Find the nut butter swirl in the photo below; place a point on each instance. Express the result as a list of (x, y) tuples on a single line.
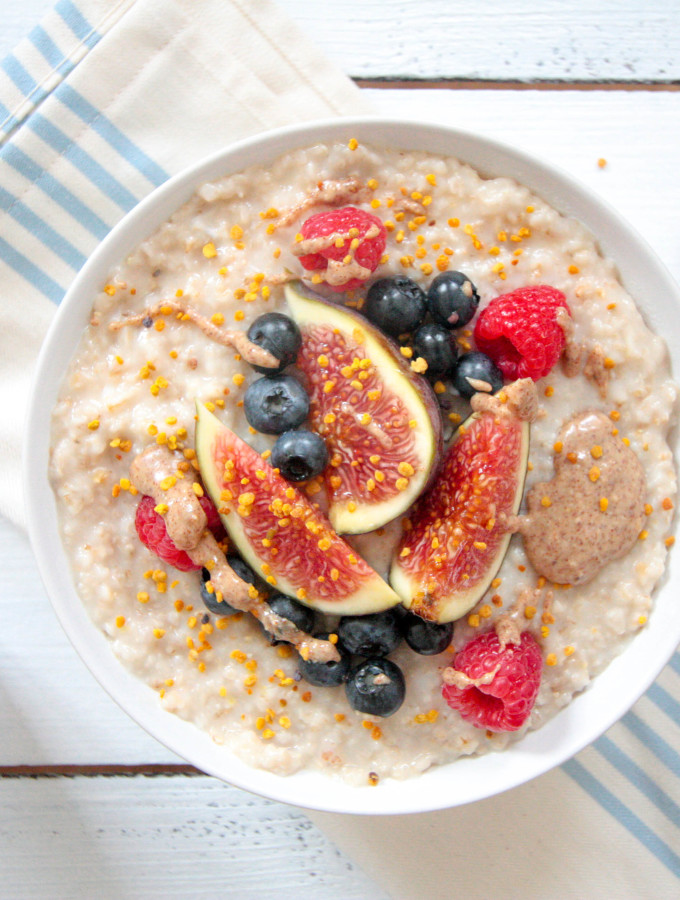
[(592, 511), (252, 353), (155, 472)]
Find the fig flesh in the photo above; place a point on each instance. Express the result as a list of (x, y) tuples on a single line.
[(282, 535), (380, 420), (455, 538)]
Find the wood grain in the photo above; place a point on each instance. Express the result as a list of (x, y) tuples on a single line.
[(619, 40), (470, 84), (125, 838)]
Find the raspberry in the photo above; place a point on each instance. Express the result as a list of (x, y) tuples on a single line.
[(520, 332), (342, 223), (505, 703), (153, 534)]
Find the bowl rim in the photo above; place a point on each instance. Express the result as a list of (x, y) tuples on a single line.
[(466, 779)]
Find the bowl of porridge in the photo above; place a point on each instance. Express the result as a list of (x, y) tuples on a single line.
[(479, 487)]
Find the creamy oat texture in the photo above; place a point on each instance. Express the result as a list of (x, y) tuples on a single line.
[(224, 255)]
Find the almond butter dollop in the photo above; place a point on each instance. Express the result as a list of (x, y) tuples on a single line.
[(155, 472), (592, 511)]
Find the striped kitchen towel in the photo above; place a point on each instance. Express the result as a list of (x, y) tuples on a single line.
[(102, 102), (606, 824)]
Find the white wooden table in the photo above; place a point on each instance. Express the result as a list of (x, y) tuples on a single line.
[(86, 797)]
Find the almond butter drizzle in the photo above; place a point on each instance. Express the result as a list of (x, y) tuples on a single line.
[(186, 525), (517, 399), (578, 356), (252, 353), (328, 192), (339, 271)]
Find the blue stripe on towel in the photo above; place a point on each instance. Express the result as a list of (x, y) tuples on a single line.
[(56, 191), (28, 270), (26, 84), (675, 662), (41, 230), (82, 161), (44, 44), (111, 134), (632, 823), (76, 21), (639, 778), (664, 701), (653, 741), (18, 75)]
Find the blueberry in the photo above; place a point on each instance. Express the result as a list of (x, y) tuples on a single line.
[(219, 607), (375, 634), (426, 638), (299, 455), (437, 347), (476, 366), (376, 687), (396, 305), (301, 616), (280, 335), (326, 674), (276, 404), (452, 299)]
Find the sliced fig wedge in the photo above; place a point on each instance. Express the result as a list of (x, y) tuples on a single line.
[(380, 420), (455, 538), (279, 532)]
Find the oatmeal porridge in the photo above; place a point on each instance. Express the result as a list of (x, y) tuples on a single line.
[(568, 563)]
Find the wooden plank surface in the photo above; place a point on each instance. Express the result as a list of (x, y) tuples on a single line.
[(189, 835), (119, 838), (620, 40)]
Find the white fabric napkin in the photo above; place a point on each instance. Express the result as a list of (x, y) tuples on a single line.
[(101, 103), (104, 101)]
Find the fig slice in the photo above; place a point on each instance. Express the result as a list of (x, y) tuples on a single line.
[(380, 420), (456, 536), (281, 534)]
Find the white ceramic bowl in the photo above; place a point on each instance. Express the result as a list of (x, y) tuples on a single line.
[(589, 715)]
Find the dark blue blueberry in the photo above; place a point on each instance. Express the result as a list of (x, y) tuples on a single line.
[(426, 638), (219, 607), (301, 616), (452, 299), (299, 455), (376, 687), (396, 305), (325, 674), (437, 346), (479, 367), (276, 404), (375, 634), (280, 336)]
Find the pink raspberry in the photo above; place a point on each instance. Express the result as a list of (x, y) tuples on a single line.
[(504, 704), (520, 333), (350, 225), (153, 534)]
